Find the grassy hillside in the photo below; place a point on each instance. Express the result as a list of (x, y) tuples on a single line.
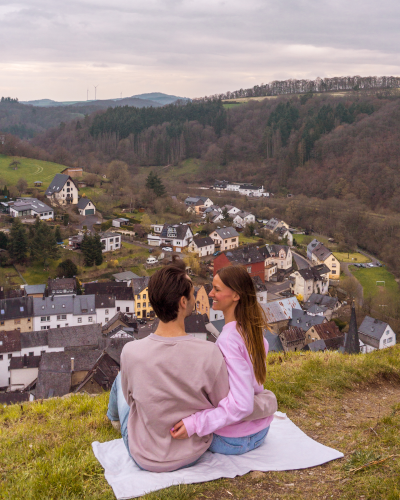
[(347, 402), (370, 276), (28, 169)]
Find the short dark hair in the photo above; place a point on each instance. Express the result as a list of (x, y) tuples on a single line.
[(166, 287)]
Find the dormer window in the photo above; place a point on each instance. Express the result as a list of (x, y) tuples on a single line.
[(68, 183)]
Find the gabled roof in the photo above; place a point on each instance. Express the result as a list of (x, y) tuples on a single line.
[(106, 301), (313, 273), (103, 373), (71, 337), (19, 307), (274, 342), (203, 242), (58, 183), (312, 245), (293, 334), (303, 320), (226, 232), (112, 288), (321, 252), (315, 309), (195, 324), (272, 224), (54, 378), (275, 249), (219, 324), (372, 327), (281, 310), (34, 339), (61, 284), (139, 284), (264, 252), (68, 304), (126, 275), (12, 398), (175, 231), (321, 300), (23, 204), (244, 255), (10, 341), (83, 203), (10, 293), (328, 330), (123, 318), (258, 284), (34, 289)]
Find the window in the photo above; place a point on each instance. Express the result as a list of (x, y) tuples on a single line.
[(261, 299), (1, 322), (106, 320), (389, 340), (90, 319), (106, 311), (149, 305), (58, 326), (31, 354), (45, 318), (127, 309), (118, 309), (61, 317), (9, 356), (138, 304), (249, 269), (1, 357), (68, 183), (17, 321), (79, 320), (42, 352), (138, 297), (333, 271)]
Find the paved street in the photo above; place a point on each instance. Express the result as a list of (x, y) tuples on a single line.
[(301, 262)]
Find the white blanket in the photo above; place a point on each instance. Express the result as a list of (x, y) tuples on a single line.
[(285, 448)]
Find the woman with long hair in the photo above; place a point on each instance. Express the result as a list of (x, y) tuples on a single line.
[(244, 348)]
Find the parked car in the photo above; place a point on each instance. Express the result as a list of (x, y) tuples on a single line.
[(167, 249), (151, 260), (141, 321), (216, 253)]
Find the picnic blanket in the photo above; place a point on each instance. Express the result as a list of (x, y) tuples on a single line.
[(285, 448)]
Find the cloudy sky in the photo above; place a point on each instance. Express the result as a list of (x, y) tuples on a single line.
[(58, 50)]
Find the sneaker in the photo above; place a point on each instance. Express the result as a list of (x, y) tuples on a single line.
[(116, 424)]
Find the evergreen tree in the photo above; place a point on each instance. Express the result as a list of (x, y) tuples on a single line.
[(97, 250), (91, 248), (66, 219), (67, 269), (154, 183), (86, 249), (18, 244), (3, 240), (58, 234), (150, 181), (44, 244)]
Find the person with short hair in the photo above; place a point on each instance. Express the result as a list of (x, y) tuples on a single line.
[(167, 376)]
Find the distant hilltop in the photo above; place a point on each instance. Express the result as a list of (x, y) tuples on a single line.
[(154, 99)]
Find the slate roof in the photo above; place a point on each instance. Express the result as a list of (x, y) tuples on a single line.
[(126, 320), (63, 285), (75, 337), (195, 324), (12, 398), (293, 335), (111, 288), (20, 362), (259, 285), (219, 324), (321, 300), (114, 347), (34, 339), (139, 284), (181, 230), (10, 341), (281, 310), (264, 252), (321, 252), (109, 234), (328, 330), (312, 245), (272, 224), (274, 342), (69, 304), (83, 203), (17, 308), (34, 204), (320, 345), (303, 320), (203, 242), (372, 327), (35, 289), (226, 232), (275, 249), (57, 184), (314, 309), (244, 255), (313, 273), (105, 301), (126, 275), (54, 377), (103, 373)]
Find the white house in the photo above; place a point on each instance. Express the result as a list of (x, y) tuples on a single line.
[(31, 206), (125, 277), (375, 334), (214, 216), (231, 210), (110, 241), (305, 282), (177, 236), (233, 186), (225, 238), (86, 207), (23, 371), (157, 228), (250, 190), (58, 312), (280, 255), (202, 246), (120, 298), (241, 219), (63, 190)]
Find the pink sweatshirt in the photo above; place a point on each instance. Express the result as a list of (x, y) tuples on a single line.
[(225, 420)]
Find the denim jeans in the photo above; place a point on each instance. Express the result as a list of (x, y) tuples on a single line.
[(237, 445)]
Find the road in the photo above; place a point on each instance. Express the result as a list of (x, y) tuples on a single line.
[(302, 263)]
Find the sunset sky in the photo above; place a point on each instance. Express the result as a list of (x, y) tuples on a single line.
[(188, 48)]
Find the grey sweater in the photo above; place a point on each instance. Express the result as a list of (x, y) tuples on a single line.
[(165, 380)]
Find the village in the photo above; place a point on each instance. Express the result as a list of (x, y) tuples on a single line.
[(66, 334)]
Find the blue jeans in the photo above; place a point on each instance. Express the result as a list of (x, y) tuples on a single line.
[(237, 445)]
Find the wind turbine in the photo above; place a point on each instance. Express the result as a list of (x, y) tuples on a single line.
[(95, 91)]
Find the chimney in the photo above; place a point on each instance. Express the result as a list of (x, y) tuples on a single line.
[(72, 364)]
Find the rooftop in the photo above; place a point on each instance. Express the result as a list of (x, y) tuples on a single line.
[(372, 327), (226, 232), (244, 255), (281, 310)]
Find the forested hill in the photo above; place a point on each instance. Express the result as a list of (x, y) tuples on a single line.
[(321, 146)]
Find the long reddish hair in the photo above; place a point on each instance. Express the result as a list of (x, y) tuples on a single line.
[(249, 315)]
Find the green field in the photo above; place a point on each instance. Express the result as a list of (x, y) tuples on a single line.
[(369, 276), (30, 170), (351, 257)]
